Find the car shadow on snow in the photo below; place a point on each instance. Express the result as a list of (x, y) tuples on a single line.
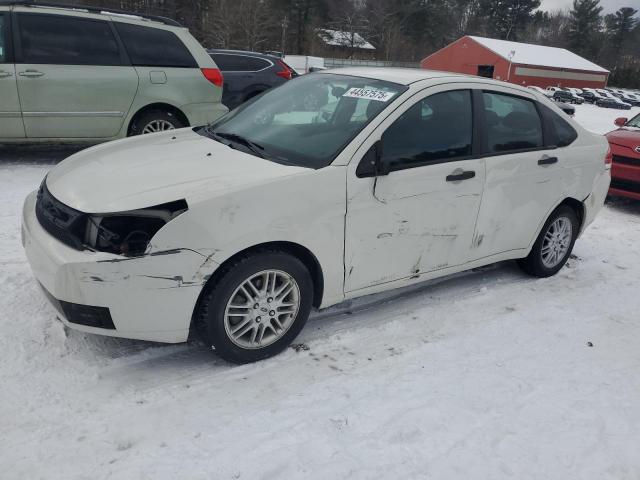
[(37, 154), (624, 205)]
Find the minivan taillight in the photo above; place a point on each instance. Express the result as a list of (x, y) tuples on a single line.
[(608, 159), (213, 75), (285, 72)]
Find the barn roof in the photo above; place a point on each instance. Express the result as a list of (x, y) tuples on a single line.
[(539, 55), (339, 38)]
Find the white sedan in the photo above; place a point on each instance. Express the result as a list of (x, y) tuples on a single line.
[(238, 229)]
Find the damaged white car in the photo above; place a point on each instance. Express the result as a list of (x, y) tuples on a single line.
[(335, 185)]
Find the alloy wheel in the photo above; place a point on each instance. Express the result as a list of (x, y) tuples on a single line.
[(556, 242), (156, 126), (262, 309)]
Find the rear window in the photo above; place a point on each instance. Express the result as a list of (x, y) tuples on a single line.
[(153, 47), (239, 63), (559, 133), (3, 42), (512, 123), (63, 40)]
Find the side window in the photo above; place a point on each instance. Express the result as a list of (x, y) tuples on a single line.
[(154, 47), (63, 40), (512, 123), (437, 129), (559, 133), (238, 63), (3, 38)]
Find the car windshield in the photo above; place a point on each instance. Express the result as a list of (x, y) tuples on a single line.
[(634, 122), (306, 121)]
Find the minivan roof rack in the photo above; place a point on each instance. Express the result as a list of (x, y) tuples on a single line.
[(90, 9)]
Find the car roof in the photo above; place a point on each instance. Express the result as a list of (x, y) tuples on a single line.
[(403, 76), (241, 52), (407, 76)]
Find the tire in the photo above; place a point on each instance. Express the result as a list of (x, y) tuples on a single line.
[(534, 264), (155, 121), (279, 329)]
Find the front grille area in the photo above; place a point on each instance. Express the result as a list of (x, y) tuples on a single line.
[(626, 185), (87, 315), (626, 160), (62, 222)]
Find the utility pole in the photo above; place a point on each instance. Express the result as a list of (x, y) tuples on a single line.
[(283, 42)]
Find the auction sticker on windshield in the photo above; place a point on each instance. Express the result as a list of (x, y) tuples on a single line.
[(369, 94)]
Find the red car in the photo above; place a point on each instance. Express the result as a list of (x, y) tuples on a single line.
[(625, 146)]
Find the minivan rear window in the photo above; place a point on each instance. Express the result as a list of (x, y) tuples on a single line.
[(64, 40), (3, 47), (154, 47)]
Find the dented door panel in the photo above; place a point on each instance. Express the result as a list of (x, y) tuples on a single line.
[(416, 222)]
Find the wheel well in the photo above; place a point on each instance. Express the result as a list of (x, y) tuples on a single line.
[(253, 91), (165, 107), (301, 253), (577, 206)]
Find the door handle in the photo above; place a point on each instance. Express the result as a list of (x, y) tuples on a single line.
[(4, 74), (457, 177), (31, 74), (548, 160)]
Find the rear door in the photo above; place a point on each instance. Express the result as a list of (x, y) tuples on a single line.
[(524, 173), (74, 80), (10, 115)]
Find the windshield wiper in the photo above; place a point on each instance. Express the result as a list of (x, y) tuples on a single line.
[(234, 137)]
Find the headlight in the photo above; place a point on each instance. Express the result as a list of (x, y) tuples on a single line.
[(129, 233)]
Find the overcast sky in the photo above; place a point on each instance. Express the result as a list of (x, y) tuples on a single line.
[(608, 6)]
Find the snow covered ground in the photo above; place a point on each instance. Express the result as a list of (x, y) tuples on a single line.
[(487, 374)]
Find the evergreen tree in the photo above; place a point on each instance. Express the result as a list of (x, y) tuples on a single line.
[(584, 27)]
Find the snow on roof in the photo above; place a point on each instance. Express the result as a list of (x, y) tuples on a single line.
[(339, 38), (539, 55)]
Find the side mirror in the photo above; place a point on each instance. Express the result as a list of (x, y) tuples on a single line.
[(371, 164), (620, 122)]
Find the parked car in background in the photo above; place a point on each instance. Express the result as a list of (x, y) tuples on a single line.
[(554, 89), (84, 74), (567, 97), (576, 91), (247, 74), (609, 102), (631, 99), (590, 96), (625, 147), (239, 228)]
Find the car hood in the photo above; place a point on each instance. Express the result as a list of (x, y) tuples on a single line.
[(149, 170), (625, 137)]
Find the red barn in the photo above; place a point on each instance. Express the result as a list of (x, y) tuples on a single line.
[(521, 63)]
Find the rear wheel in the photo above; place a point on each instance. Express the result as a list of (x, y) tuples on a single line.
[(257, 306), (155, 121), (554, 244)]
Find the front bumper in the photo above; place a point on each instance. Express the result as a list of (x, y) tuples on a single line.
[(147, 298)]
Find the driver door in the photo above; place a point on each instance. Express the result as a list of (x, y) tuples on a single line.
[(420, 217)]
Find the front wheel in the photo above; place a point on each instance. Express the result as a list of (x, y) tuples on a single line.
[(257, 306), (554, 244)]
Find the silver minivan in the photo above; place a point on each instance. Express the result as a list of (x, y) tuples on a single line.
[(83, 74)]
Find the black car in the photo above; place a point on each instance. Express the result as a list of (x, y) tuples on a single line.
[(247, 74), (589, 97), (567, 97), (611, 103)]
